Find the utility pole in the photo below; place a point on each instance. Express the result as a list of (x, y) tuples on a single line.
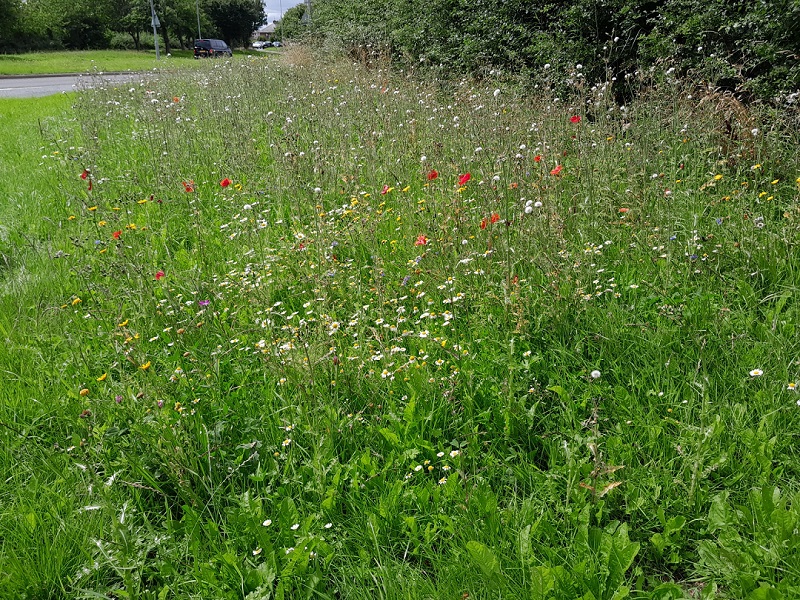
[(197, 4), (156, 24)]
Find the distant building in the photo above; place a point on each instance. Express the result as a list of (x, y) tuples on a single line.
[(265, 33)]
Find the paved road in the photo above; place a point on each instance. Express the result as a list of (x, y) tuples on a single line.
[(31, 87)]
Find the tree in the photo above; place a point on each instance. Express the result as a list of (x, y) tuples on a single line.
[(291, 25), (131, 17), (236, 20)]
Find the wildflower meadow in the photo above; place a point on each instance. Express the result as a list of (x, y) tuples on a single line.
[(308, 329)]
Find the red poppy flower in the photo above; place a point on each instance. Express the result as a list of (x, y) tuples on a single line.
[(495, 218), (557, 170), (385, 190), (188, 186), (116, 234), (484, 222), (432, 174), (624, 210), (159, 275), (537, 158), (85, 174), (462, 179), (575, 119), (175, 99), (421, 240), (225, 182)]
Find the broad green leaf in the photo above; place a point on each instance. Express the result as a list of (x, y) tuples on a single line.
[(484, 558)]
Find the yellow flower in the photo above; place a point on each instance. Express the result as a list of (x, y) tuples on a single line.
[(717, 177), (145, 366), (84, 392), (101, 223), (238, 187), (774, 181), (125, 322), (76, 301), (102, 377), (405, 189), (92, 208), (71, 218), (144, 201)]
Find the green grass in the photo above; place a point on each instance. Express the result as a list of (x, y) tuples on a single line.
[(40, 63), (355, 372)]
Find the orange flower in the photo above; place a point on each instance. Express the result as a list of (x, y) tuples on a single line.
[(495, 218), (116, 234), (484, 222), (421, 240), (188, 186), (557, 170)]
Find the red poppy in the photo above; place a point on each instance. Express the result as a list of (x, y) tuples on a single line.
[(225, 182), (495, 218), (624, 210), (462, 179), (484, 222), (85, 174), (575, 119), (188, 186), (432, 174), (537, 158), (557, 170), (385, 190), (116, 234), (159, 275), (421, 240), (175, 99)]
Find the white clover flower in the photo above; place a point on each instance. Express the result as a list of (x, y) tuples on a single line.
[(528, 209), (267, 523), (496, 93), (295, 527), (595, 374)]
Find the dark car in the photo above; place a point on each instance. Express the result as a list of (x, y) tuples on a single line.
[(211, 48)]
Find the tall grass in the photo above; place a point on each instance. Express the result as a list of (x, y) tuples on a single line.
[(311, 330)]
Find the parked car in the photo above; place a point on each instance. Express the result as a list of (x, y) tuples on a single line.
[(259, 45), (211, 48), (277, 44)]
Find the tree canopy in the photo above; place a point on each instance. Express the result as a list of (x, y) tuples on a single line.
[(82, 24)]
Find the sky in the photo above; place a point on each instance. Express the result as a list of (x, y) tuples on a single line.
[(273, 8)]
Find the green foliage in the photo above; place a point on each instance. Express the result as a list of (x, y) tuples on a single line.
[(291, 25), (748, 47), (236, 19)]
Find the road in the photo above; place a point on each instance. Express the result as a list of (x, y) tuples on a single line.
[(45, 85)]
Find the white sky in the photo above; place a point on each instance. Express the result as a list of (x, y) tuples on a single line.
[(273, 8)]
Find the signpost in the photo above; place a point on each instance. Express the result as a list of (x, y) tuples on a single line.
[(156, 24)]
